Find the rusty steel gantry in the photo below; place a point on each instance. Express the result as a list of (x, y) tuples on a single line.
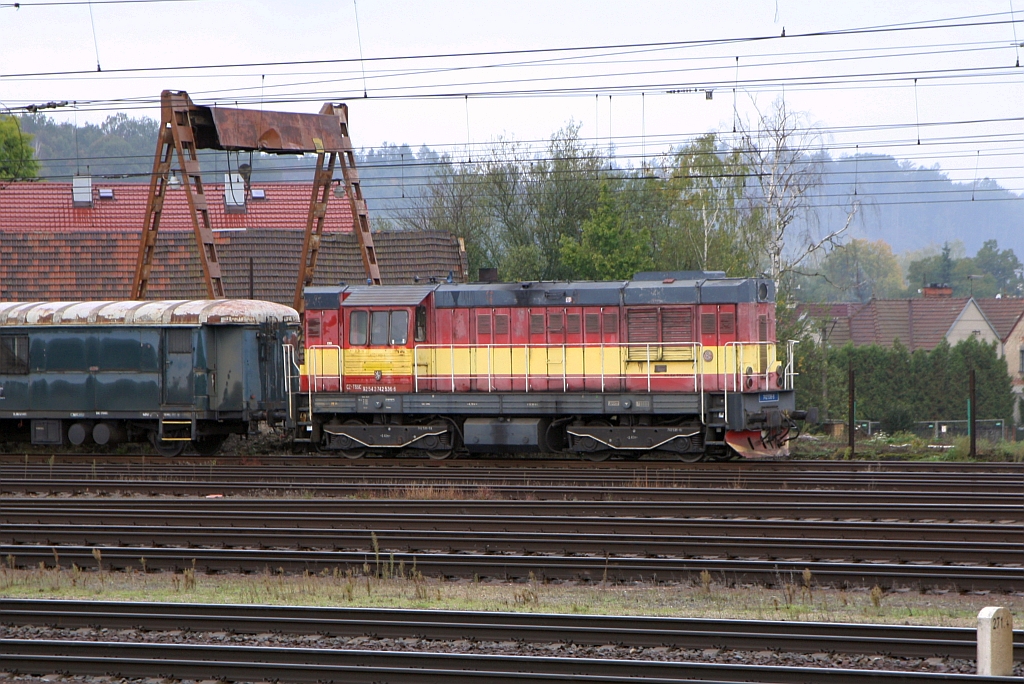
[(186, 128)]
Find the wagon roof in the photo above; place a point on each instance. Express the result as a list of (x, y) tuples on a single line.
[(148, 313)]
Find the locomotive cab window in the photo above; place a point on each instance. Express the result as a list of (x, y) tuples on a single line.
[(14, 354), (379, 328), (357, 324), (399, 327), (421, 324)]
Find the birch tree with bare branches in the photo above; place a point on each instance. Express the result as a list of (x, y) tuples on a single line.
[(785, 158)]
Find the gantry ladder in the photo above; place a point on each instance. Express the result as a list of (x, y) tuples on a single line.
[(177, 136), (324, 176)]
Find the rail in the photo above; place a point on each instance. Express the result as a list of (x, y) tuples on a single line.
[(629, 631), (517, 366)]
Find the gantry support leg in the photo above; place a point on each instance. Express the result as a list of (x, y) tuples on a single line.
[(177, 135)]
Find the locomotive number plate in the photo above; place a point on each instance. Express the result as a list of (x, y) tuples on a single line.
[(765, 397)]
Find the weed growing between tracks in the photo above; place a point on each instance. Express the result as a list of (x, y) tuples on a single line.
[(388, 585)]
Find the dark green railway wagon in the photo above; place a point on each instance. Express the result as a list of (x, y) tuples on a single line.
[(167, 372)]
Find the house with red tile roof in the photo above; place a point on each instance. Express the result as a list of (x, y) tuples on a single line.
[(53, 247), (1007, 315)]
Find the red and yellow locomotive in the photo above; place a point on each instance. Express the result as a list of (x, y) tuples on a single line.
[(682, 364)]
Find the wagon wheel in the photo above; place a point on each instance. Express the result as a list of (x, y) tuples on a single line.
[(165, 448), (209, 446)]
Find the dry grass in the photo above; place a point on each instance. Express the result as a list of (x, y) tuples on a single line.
[(384, 584)]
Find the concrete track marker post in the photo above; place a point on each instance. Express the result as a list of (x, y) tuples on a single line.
[(995, 642)]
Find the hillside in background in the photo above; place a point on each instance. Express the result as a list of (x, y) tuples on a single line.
[(909, 207), (913, 207)]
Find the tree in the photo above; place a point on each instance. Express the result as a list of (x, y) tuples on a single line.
[(17, 160), (784, 156), (606, 249), (452, 204), (988, 273), (855, 272), (708, 223)]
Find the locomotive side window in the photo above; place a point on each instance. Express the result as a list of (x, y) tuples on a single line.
[(379, 328), (421, 324), (14, 354), (357, 328), (399, 327)]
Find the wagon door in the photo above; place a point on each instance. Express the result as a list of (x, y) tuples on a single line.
[(178, 366)]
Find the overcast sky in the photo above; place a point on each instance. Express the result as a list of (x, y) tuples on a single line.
[(858, 89)]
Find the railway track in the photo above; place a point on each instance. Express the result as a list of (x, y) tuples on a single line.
[(301, 665), (788, 505), (1008, 553), (441, 625), (294, 664), (505, 539), (579, 491), (524, 465)]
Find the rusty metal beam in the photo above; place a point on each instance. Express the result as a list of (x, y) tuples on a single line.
[(186, 127)]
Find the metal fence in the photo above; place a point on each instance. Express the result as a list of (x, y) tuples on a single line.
[(994, 430)]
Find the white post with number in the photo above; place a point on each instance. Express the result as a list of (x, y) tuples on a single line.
[(995, 642)]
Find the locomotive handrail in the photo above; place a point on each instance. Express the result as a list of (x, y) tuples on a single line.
[(288, 363), (789, 373), (739, 375), (425, 356), (311, 367)]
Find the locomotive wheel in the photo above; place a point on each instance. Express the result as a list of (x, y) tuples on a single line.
[(440, 454), (209, 446), (353, 454), (690, 456), (598, 456), (166, 449)]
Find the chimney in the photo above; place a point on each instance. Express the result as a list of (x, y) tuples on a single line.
[(81, 191), (488, 275), (937, 291)]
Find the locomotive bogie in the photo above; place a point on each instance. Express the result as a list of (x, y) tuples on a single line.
[(170, 373)]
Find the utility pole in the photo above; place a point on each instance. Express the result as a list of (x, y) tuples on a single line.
[(971, 411), (852, 427)]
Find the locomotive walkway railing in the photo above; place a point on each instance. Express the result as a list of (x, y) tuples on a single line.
[(745, 357), (597, 367)]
